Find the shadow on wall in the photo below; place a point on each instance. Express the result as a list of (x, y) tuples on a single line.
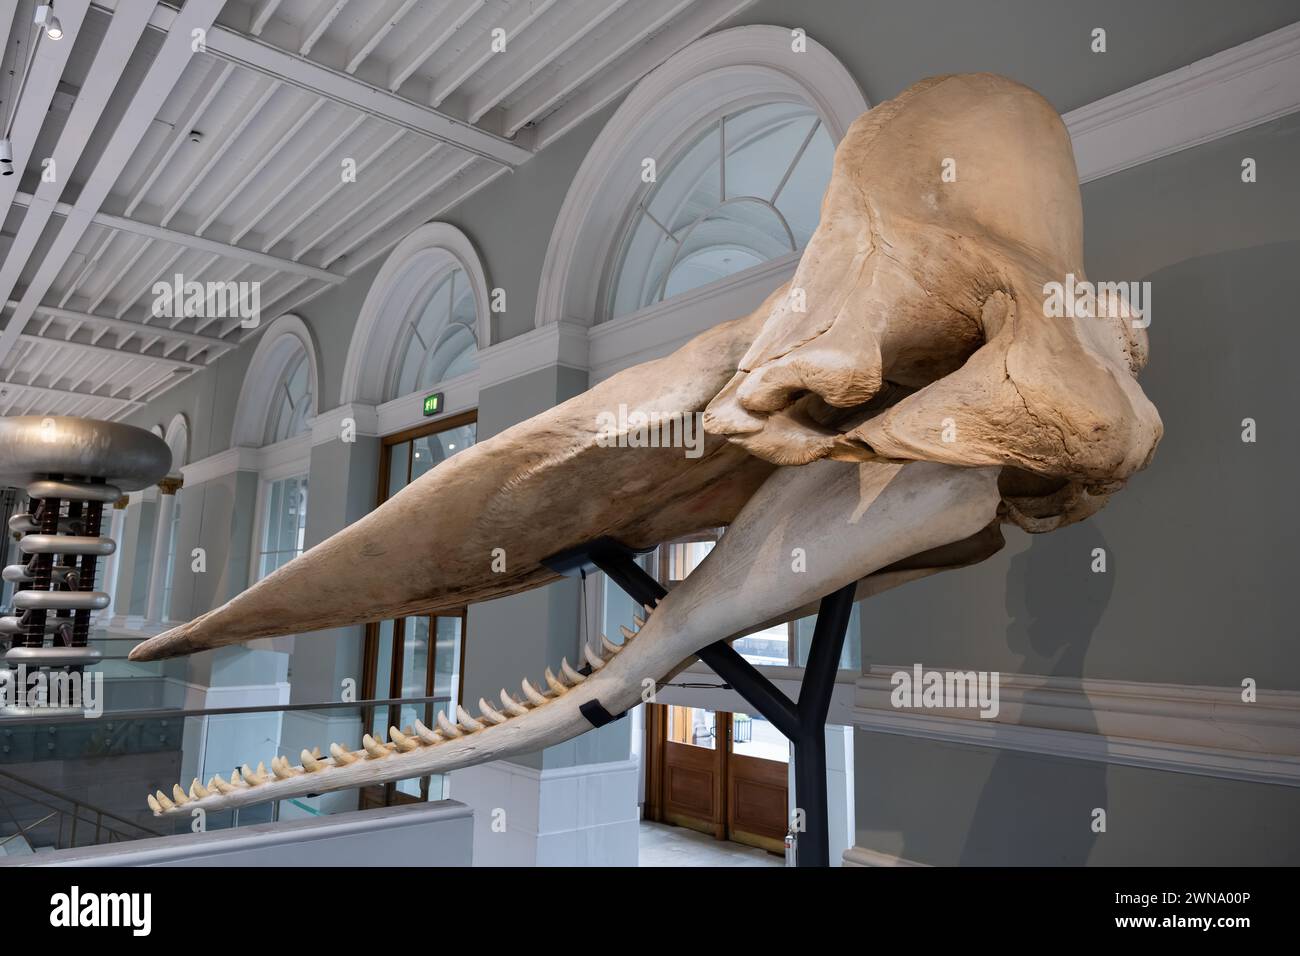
[(1054, 602)]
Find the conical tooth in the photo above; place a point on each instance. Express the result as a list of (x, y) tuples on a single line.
[(341, 757), (491, 715), (593, 658), (198, 791), (427, 735), (608, 646), (447, 727), (261, 771), (574, 677), (467, 721), (627, 635), (554, 684), (281, 768), (165, 803), (154, 805), (401, 741), (374, 749), (179, 796), (638, 620), (251, 777), (221, 785), (512, 706), (649, 609), (236, 780), (315, 752), (309, 761), (533, 694)]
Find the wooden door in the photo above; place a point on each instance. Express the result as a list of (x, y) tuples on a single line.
[(758, 769), (719, 773), (692, 781)]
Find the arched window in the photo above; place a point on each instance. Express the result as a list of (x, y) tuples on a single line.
[(743, 191), (423, 321), (437, 340), (276, 406), (741, 127), (292, 401), (277, 399)]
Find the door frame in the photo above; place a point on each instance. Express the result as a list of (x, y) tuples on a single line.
[(370, 647), (725, 765)]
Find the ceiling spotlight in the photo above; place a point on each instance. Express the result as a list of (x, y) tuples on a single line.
[(45, 18), (6, 157)]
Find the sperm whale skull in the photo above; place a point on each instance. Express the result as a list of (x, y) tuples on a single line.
[(904, 394)]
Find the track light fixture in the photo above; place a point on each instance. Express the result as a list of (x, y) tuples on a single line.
[(45, 18)]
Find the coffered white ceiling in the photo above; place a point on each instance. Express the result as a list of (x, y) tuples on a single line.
[(225, 163)]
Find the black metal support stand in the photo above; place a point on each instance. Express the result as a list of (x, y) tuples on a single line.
[(803, 723)]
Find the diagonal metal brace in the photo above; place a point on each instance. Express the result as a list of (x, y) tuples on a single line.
[(803, 723)]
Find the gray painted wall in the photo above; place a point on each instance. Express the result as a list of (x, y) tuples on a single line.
[(1195, 546)]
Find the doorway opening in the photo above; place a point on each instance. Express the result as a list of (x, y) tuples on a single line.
[(417, 656)]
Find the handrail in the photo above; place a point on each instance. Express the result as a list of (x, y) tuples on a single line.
[(75, 809), (173, 713)]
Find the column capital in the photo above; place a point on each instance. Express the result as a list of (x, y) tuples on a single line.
[(170, 485)]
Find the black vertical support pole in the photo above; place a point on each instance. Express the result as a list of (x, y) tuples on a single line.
[(804, 724), (814, 704)]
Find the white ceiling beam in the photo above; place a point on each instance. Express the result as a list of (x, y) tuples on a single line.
[(537, 50), (119, 41), (390, 180), (461, 186), (209, 87), (447, 19), (332, 9), (474, 57), (105, 351), (540, 98), (252, 53), (379, 215), (165, 234), (87, 264), (248, 111), (323, 196), (126, 327), (266, 154), (120, 273), (265, 10), (6, 387), (157, 83), (34, 103), (376, 28), (290, 174), (699, 19)]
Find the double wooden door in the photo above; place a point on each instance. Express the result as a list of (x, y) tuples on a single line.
[(720, 773)]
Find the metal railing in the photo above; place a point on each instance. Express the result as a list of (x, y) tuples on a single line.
[(167, 743), (59, 819)]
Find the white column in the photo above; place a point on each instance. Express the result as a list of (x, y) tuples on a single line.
[(115, 525), (167, 489)]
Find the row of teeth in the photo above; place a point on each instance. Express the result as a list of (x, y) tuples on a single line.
[(412, 738)]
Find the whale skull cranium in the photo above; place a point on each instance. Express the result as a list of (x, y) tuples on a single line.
[(885, 411)]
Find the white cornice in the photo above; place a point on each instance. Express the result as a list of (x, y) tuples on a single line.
[(328, 425), (658, 329), (1188, 729), (1244, 86), (459, 394), (556, 343), (285, 457)]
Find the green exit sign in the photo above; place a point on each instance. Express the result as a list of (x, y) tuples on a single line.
[(433, 404)]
